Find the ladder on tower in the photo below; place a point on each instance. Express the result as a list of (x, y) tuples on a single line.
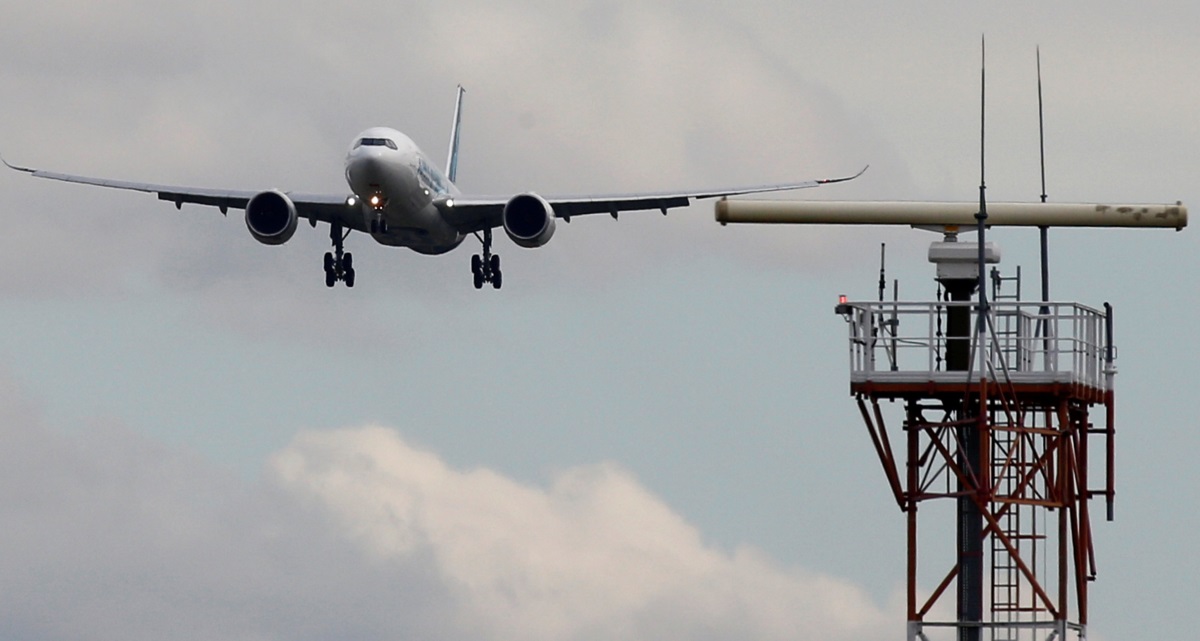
[(1012, 329), (1013, 599), (998, 285)]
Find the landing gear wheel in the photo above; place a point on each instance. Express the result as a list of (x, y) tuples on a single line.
[(494, 268), (477, 271), (486, 267), (339, 265)]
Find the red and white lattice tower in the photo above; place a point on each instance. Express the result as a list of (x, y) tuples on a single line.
[(1000, 423)]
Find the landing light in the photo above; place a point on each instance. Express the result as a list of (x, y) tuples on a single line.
[(375, 200), (351, 201)]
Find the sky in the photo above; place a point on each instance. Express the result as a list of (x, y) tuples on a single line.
[(648, 432)]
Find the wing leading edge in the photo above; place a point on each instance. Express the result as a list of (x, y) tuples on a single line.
[(475, 213), (328, 208)]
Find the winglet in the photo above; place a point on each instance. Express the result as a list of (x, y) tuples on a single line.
[(452, 156), (11, 166), (842, 180)]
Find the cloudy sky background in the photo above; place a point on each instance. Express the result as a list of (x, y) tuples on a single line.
[(647, 432)]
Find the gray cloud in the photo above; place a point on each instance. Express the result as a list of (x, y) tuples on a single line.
[(356, 534), (111, 536), (558, 102)]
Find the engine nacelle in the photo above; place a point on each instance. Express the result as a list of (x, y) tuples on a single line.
[(529, 220), (271, 217)]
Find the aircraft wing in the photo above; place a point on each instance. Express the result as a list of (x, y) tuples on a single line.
[(475, 213), (313, 207), (467, 213)]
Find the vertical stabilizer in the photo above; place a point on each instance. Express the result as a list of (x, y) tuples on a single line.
[(452, 156)]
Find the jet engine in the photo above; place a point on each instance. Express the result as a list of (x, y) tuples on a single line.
[(271, 217), (529, 220)]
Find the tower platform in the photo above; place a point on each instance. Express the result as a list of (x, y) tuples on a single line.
[(1052, 350)]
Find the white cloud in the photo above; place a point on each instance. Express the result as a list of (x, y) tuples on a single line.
[(593, 556)]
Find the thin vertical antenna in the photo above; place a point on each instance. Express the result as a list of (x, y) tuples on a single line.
[(882, 270), (1043, 230), (981, 217), (1041, 123), (982, 115), (887, 326), (894, 321), (970, 454)]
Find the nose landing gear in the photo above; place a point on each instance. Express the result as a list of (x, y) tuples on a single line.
[(379, 225)]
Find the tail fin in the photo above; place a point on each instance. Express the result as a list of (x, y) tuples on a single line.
[(452, 156)]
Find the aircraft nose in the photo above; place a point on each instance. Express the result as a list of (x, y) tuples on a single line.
[(367, 168)]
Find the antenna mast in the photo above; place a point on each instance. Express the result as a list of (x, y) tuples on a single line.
[(1043, 230), (981, 217), (972, 417)]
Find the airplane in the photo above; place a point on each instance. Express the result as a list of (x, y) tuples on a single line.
[(399, 197)]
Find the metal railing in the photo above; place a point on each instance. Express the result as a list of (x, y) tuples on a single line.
[(1025, 341)]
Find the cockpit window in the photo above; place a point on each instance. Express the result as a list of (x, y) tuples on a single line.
[(376, 142)]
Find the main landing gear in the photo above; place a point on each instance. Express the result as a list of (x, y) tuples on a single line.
[(339, 265), (486, 267)]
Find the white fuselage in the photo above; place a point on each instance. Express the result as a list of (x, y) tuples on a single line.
[(396, 185)]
